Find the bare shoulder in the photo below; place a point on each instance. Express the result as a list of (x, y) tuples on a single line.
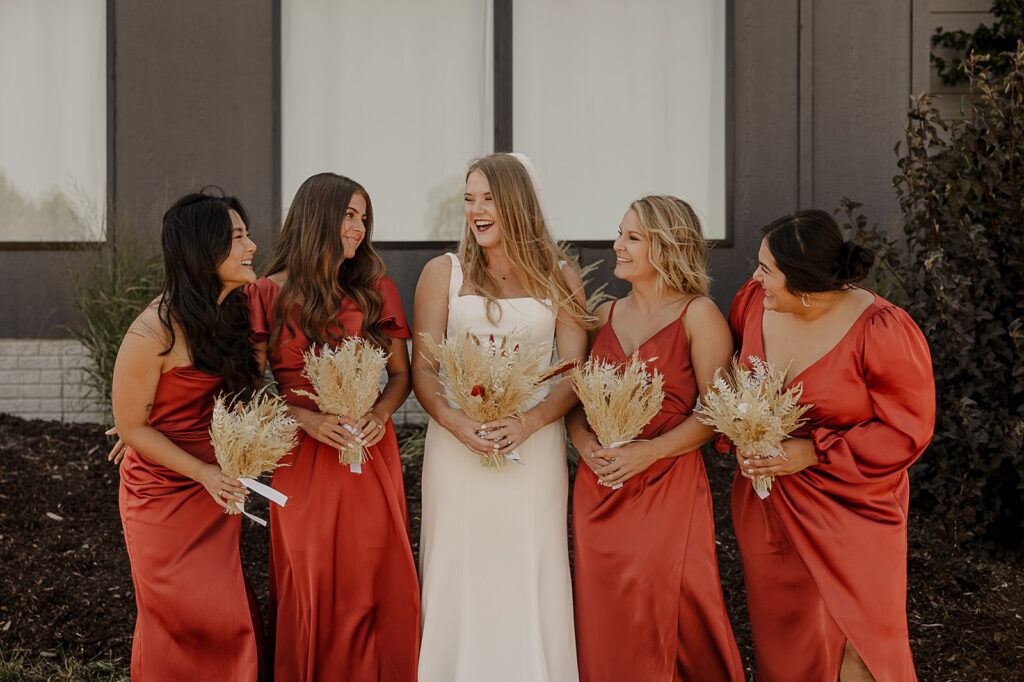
[(571, 274), (703, 314), (604, 312), (148, 325), (436, 273)]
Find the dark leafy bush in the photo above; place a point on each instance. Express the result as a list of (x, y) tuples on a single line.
[(110, 292), (959, 271), (999, 40)]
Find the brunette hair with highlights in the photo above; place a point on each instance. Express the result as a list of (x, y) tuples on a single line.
[(526, 241), (310, 249), (678, 250)]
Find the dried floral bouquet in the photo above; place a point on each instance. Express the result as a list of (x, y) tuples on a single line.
[(753, 408), (491, 380), (249, 439), (619, 399), (346, 381)]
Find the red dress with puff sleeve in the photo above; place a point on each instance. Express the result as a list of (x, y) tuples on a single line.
[(344, 597), (198, 617), (649, 602), (825, 555)]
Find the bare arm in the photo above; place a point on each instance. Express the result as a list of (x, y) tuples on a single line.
[(430, 316), (710, 348), (136, 375)]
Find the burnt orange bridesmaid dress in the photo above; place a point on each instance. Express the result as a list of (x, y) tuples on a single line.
[(198, 617), (825, 555), (649, 602), (344, 598)]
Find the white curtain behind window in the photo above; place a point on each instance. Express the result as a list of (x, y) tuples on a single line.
[(396, 95), (53, 121), (615, 100)]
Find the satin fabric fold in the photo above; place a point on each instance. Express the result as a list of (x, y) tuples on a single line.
[(197, 615), (649, 602), (825, 555), (344, 597)]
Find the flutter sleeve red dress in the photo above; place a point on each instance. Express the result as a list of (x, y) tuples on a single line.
[(198, 617), (344, 597), (649, 602), (825, 555)]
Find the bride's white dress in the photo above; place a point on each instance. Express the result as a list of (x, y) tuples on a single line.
[(497, 599)]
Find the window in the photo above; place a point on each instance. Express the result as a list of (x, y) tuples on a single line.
[(53, 125)]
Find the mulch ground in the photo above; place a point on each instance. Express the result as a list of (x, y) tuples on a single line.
[(66, 589)]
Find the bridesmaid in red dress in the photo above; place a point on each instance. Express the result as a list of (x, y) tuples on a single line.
[(197, 614), (649, 602), (344, 597), (825, 555)]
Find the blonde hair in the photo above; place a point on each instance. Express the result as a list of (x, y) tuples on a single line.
[(678, 250), (525, 240)]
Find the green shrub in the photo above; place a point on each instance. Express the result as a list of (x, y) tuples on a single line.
[(959, 271), (109, 293), (998, 40)]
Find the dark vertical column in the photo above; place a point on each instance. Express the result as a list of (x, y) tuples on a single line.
[(503, 75)]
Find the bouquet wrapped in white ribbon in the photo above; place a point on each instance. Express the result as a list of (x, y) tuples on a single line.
[(751, 406), (346, 381), (249, 439), (491, 379), (619, 399)]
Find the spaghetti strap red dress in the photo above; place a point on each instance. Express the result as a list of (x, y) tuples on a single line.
[(344, 597), (825, 555), (198, 617), (649, 602)]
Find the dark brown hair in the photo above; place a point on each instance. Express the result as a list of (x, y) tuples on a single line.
[(810, 251)]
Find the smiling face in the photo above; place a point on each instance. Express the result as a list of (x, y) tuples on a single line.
[(236, 268), (632, 251), (481, 212), (776, 296), (353, 225)]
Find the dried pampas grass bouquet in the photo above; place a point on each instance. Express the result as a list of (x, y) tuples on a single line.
[(619, 399), (491, 379), (346, 381), (752, 407), (250, 438)]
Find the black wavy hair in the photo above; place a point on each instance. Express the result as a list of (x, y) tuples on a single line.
[(810, 251), (196, 238)]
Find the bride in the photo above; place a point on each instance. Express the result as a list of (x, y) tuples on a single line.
[(497, 600)]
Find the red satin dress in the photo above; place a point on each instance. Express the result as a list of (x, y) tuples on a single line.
[(198, 617), (649, 602), (344, 596), (825, 555)]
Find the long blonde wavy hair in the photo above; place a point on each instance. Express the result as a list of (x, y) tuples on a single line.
[(678, 250), (529, 247)]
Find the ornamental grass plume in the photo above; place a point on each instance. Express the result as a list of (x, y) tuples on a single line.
[(491, 380), (250, 438), (751, 406), (346, 381), (619, 399)]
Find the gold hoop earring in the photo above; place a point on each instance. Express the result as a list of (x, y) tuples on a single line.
[(803, 299)]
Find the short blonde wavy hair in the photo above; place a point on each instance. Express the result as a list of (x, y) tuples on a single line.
[(678, 249)]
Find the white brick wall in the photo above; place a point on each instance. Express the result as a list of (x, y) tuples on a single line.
[(40, 380)]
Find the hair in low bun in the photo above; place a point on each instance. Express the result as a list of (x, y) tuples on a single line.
[(810, 251), (855, 262)]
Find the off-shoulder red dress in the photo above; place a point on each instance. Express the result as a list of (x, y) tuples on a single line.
[(649, 602), (344, 597), (198, 617), (825, 555)]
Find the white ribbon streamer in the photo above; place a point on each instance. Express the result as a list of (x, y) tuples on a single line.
[(266, 491), (240, 506)]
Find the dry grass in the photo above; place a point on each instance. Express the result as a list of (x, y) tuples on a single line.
[(491, 379), (619, 399), (753, 408), (249, 439), (346, 381)]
